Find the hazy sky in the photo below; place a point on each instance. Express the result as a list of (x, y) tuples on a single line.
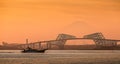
[(44, 19)]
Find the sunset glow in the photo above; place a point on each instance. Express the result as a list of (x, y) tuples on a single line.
[(45, 19)]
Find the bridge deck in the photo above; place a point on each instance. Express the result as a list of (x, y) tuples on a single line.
[(32, 44)]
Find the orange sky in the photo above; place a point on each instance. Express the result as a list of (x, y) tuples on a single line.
[(44, 19)]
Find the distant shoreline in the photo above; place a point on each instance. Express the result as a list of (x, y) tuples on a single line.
[(70, 47)]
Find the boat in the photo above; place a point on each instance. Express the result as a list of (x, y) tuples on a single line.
[(30, 50)]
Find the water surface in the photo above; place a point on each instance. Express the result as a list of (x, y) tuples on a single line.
[(61, 57)]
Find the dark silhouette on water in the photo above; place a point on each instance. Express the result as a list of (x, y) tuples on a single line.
[(30, 50)]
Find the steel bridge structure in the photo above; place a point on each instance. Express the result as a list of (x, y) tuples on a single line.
[(61, 39)]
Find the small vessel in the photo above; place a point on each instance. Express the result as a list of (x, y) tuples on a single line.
[(30, 50)]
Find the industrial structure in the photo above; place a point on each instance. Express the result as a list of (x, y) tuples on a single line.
[(61, 39), (100, 40)]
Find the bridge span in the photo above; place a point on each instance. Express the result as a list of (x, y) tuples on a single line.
[(61, 39)]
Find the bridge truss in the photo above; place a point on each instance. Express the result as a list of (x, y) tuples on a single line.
[(61, 39)]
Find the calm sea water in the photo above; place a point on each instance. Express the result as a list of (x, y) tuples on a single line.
[(61, 57), (10, 51), (66, 51)]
